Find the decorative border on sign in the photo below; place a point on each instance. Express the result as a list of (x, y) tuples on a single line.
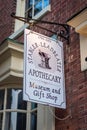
[(30, 99)]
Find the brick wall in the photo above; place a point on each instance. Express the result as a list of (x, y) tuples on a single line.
[(75, 80), (6, 22)]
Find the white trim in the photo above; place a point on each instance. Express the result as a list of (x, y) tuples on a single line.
[(18, 32), (78, 19), (20, 11), (83, 52)]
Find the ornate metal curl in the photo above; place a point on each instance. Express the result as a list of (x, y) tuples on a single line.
[(64, 33)]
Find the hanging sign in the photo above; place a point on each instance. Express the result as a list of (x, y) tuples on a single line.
[(43, 70)]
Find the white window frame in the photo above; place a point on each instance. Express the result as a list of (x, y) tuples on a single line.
[(5, 110), (20, 11), (41, 13), (45, 120)]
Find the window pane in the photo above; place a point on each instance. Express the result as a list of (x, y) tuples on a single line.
[(1, 118), (33, 121), (46, 3), (37, 7), (21, 104), (15, 121), (29, 3), (8, 124), (15, 99), (1, 99), (33, 105), (21, 121), (34, 7)]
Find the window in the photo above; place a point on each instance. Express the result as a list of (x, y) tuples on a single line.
[(16, 114), (13, 110), (36, 8), (33, 116)]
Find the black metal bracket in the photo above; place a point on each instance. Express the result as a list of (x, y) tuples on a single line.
[(64, 31)]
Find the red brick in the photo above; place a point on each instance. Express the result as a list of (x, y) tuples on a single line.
[(6, 22)]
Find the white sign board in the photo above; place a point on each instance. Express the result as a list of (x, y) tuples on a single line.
[(43, 70)]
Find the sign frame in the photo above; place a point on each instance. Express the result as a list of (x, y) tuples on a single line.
[(44, 80)]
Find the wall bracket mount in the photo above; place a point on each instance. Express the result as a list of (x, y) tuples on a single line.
[(64, 32)]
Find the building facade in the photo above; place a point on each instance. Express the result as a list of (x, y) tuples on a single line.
[(15, 113)]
